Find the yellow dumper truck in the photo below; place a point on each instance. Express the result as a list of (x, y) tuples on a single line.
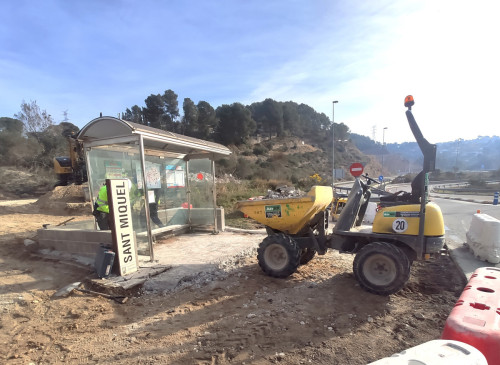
[(406, 227)]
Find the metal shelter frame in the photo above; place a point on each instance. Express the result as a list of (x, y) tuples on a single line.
[(104, 131)]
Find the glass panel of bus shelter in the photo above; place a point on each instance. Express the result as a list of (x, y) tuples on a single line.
[(166, 183), (201, 187), (122, 161)]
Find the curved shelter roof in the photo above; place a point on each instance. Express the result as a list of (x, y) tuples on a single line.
[(109, 129)]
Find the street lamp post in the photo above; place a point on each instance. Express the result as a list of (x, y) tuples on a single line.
[(458, 149), (383, 148), (333, 142)]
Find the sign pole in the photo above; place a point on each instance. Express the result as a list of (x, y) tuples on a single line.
[(333, 143)]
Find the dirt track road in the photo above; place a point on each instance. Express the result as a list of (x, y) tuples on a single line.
[(319, 315)]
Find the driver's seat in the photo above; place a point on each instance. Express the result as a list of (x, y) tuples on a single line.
[(403, 197)]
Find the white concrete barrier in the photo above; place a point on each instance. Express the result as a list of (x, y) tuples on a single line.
[(483, 238), (436, 352)]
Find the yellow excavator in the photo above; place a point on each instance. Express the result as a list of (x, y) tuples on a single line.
[(338, 203), (72, 168)]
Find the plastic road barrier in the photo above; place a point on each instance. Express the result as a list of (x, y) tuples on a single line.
[(436, 352), (475, 319)]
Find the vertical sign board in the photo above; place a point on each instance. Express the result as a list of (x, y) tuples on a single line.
[(123, 232)]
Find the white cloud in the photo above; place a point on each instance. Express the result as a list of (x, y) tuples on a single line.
[(442, 52)]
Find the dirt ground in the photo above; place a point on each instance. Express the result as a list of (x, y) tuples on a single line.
[(317, 316)]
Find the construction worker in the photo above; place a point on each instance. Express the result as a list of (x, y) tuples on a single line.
[(101, 209), (153, 209)]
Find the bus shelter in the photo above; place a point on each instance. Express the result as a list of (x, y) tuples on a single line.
[(172, 177)]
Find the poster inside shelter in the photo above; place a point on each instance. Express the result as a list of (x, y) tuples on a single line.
[(153, 176), (113, 169), (175, 176)]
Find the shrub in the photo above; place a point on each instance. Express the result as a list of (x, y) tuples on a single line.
[(268, 144), (278, 156), (244, 169), (259, 149), (477, 183)]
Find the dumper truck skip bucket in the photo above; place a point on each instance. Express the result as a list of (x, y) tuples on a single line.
[(289, 215)]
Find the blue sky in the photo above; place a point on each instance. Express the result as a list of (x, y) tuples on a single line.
[(92, 56)]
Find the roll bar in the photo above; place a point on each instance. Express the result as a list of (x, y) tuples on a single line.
[(428, 149)]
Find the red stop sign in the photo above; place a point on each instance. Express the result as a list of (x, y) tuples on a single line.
[(356, 169)]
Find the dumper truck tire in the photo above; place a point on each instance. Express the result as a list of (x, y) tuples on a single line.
[(306, 255), (279, 255), (381, 268)]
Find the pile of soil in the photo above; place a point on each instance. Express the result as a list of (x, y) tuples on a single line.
[(62, 200), (69, 199)]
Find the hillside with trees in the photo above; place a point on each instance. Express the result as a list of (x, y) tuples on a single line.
[(480, 154), (271, 141)]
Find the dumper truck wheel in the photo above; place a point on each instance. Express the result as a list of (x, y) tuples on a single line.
[(307, 254), (381, 268), (278, 255)]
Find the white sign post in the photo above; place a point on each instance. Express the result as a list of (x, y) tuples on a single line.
[(123, 232)]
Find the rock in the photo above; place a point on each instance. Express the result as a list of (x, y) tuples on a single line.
[(280, 356), (31, 245), (419, 316)]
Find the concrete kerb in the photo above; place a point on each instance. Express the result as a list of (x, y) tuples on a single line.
[(243, 230), (467, 198)]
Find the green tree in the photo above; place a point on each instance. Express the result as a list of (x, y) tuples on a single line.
[(34, 119), (235, 123), (341, 132), (11, 125), (153, 112), (68, 129), (291, 118), (207, 120), (312, 122), (269, 116), (133, 115), (170, 110), (190, 117), (54, 142), (11, 135)]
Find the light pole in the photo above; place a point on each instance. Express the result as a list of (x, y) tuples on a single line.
[(333, 141), (383, 149), (458, 149)]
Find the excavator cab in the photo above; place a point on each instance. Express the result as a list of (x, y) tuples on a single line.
[(72, 168)]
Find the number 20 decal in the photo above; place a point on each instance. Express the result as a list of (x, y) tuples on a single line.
[(400, 225)]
